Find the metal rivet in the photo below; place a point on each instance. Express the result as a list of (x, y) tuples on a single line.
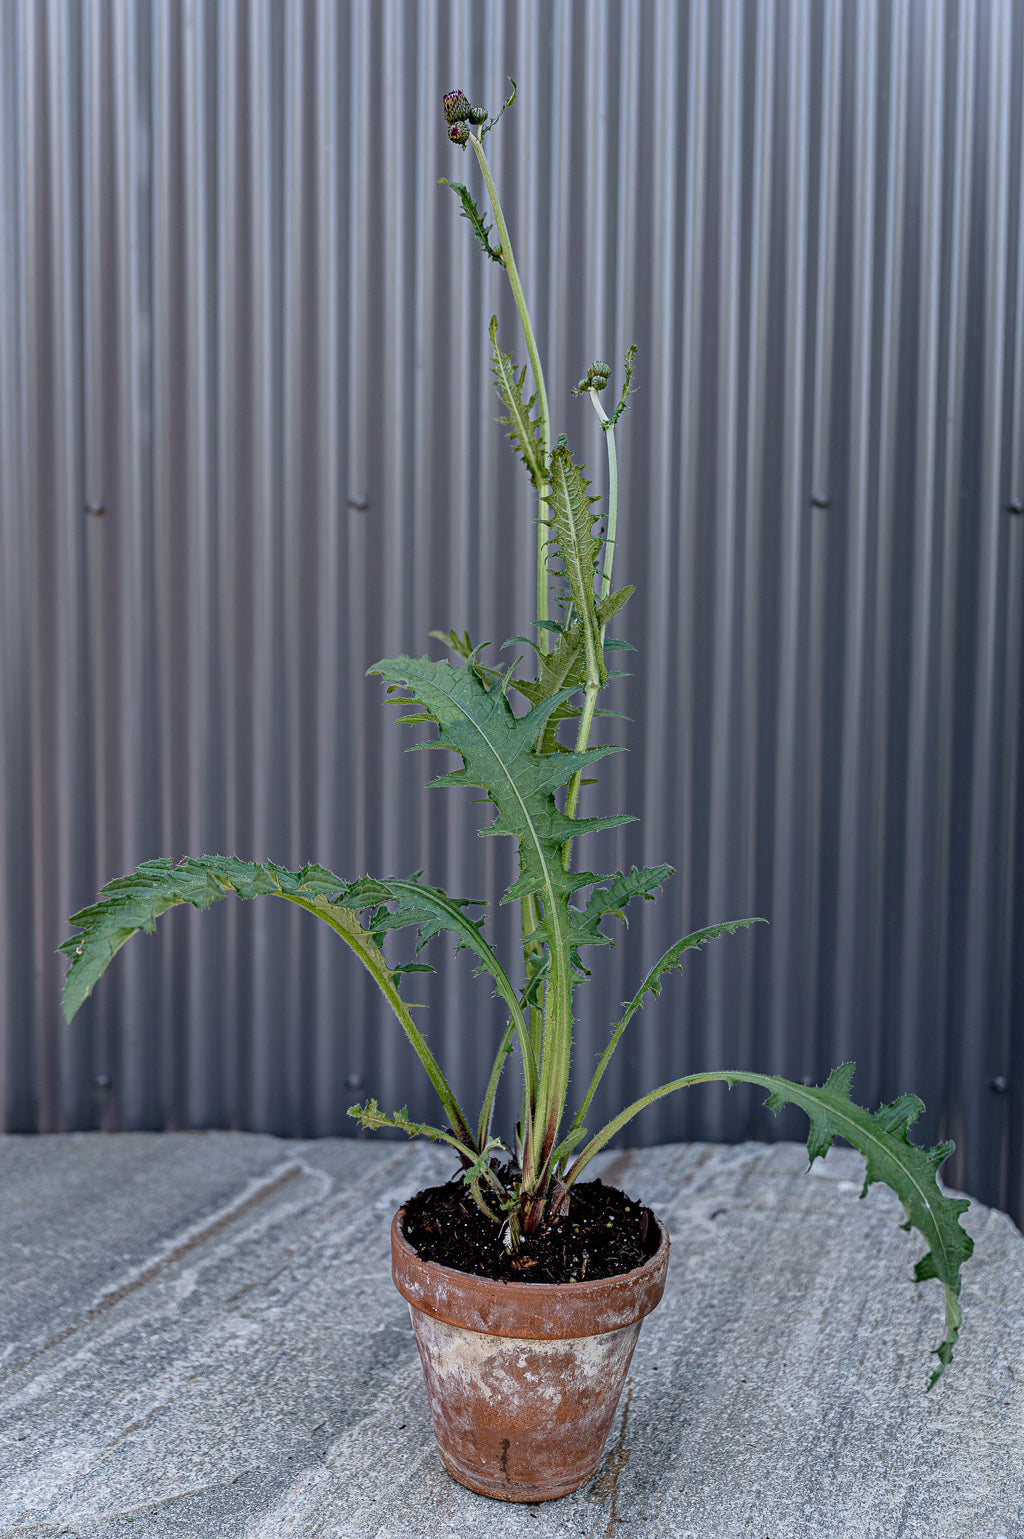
[(1000, 1084), (103, 1082), (353, 1082)]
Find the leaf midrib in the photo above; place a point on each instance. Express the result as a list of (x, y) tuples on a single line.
[(527, 818)]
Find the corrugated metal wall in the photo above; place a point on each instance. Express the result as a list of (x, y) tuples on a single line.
[(246, 448)]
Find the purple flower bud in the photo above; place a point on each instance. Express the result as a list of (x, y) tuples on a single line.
[(457, 107), (459, 134)]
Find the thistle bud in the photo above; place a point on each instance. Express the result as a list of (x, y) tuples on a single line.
[(459, 134), (457, 107), (478, 115), (596, 377)]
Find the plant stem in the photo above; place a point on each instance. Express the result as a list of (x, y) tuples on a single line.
[(509, 263), (613, 500), (582, 739), (529, 915), (372, 958), (608, 558)]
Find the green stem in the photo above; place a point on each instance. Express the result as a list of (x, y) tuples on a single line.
[(582, 739), (484, 1125), (372, 958), (613, 500), (509, 263), (593, 642)]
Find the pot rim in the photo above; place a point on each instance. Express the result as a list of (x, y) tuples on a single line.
[(534, 1311)]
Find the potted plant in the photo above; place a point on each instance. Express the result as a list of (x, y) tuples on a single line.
[(526, 1286)]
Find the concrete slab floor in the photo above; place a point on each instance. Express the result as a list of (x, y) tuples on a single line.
[(199, 1337)]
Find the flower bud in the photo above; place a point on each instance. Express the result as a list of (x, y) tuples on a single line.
[(596, 377), (459, 134), (478, 115), (457, 107)]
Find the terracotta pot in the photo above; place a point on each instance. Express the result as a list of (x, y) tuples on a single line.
[(523, 1378)]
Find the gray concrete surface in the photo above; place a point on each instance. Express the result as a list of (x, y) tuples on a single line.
[(200, 1338)]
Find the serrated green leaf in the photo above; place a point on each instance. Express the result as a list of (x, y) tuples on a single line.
[(469, 210), (671, 960), (612, 898), (135, 902), (498, 752), (883, 1139), (626, 391), (608, 900), (430, 911), (572, 532), (644, 882), (499, 756), (462, 645), (564, 667), (523, 428), (370, 1116), (493, 122)]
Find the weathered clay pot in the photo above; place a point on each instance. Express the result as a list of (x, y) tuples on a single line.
[(523, 1378)]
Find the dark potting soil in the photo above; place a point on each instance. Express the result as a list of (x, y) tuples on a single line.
[(604, 1233)]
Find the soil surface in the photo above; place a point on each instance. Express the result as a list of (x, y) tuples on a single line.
[(604, 1233)]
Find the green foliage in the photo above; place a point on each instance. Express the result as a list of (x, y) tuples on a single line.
[(135, 902), (882, 1137), (522, 421), (602, 902), (509, 99), (469, 210), (499, 757), (614, 898), (572, 530), (370, 1117), (565, 667), (671, 961), (627, 361), (532, 781)]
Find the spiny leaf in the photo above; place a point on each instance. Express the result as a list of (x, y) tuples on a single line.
[(135, 902), (412, 903), (565, 664), (493, 122), (671, 960), (564, 667), (889, 1157), (612, 899), (608, 899), (572, 528), (370, 1116), (462, 645), (469, 210), (491, 1147), (523, 429), (498, 753), (626, 392), (883, 1137)]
